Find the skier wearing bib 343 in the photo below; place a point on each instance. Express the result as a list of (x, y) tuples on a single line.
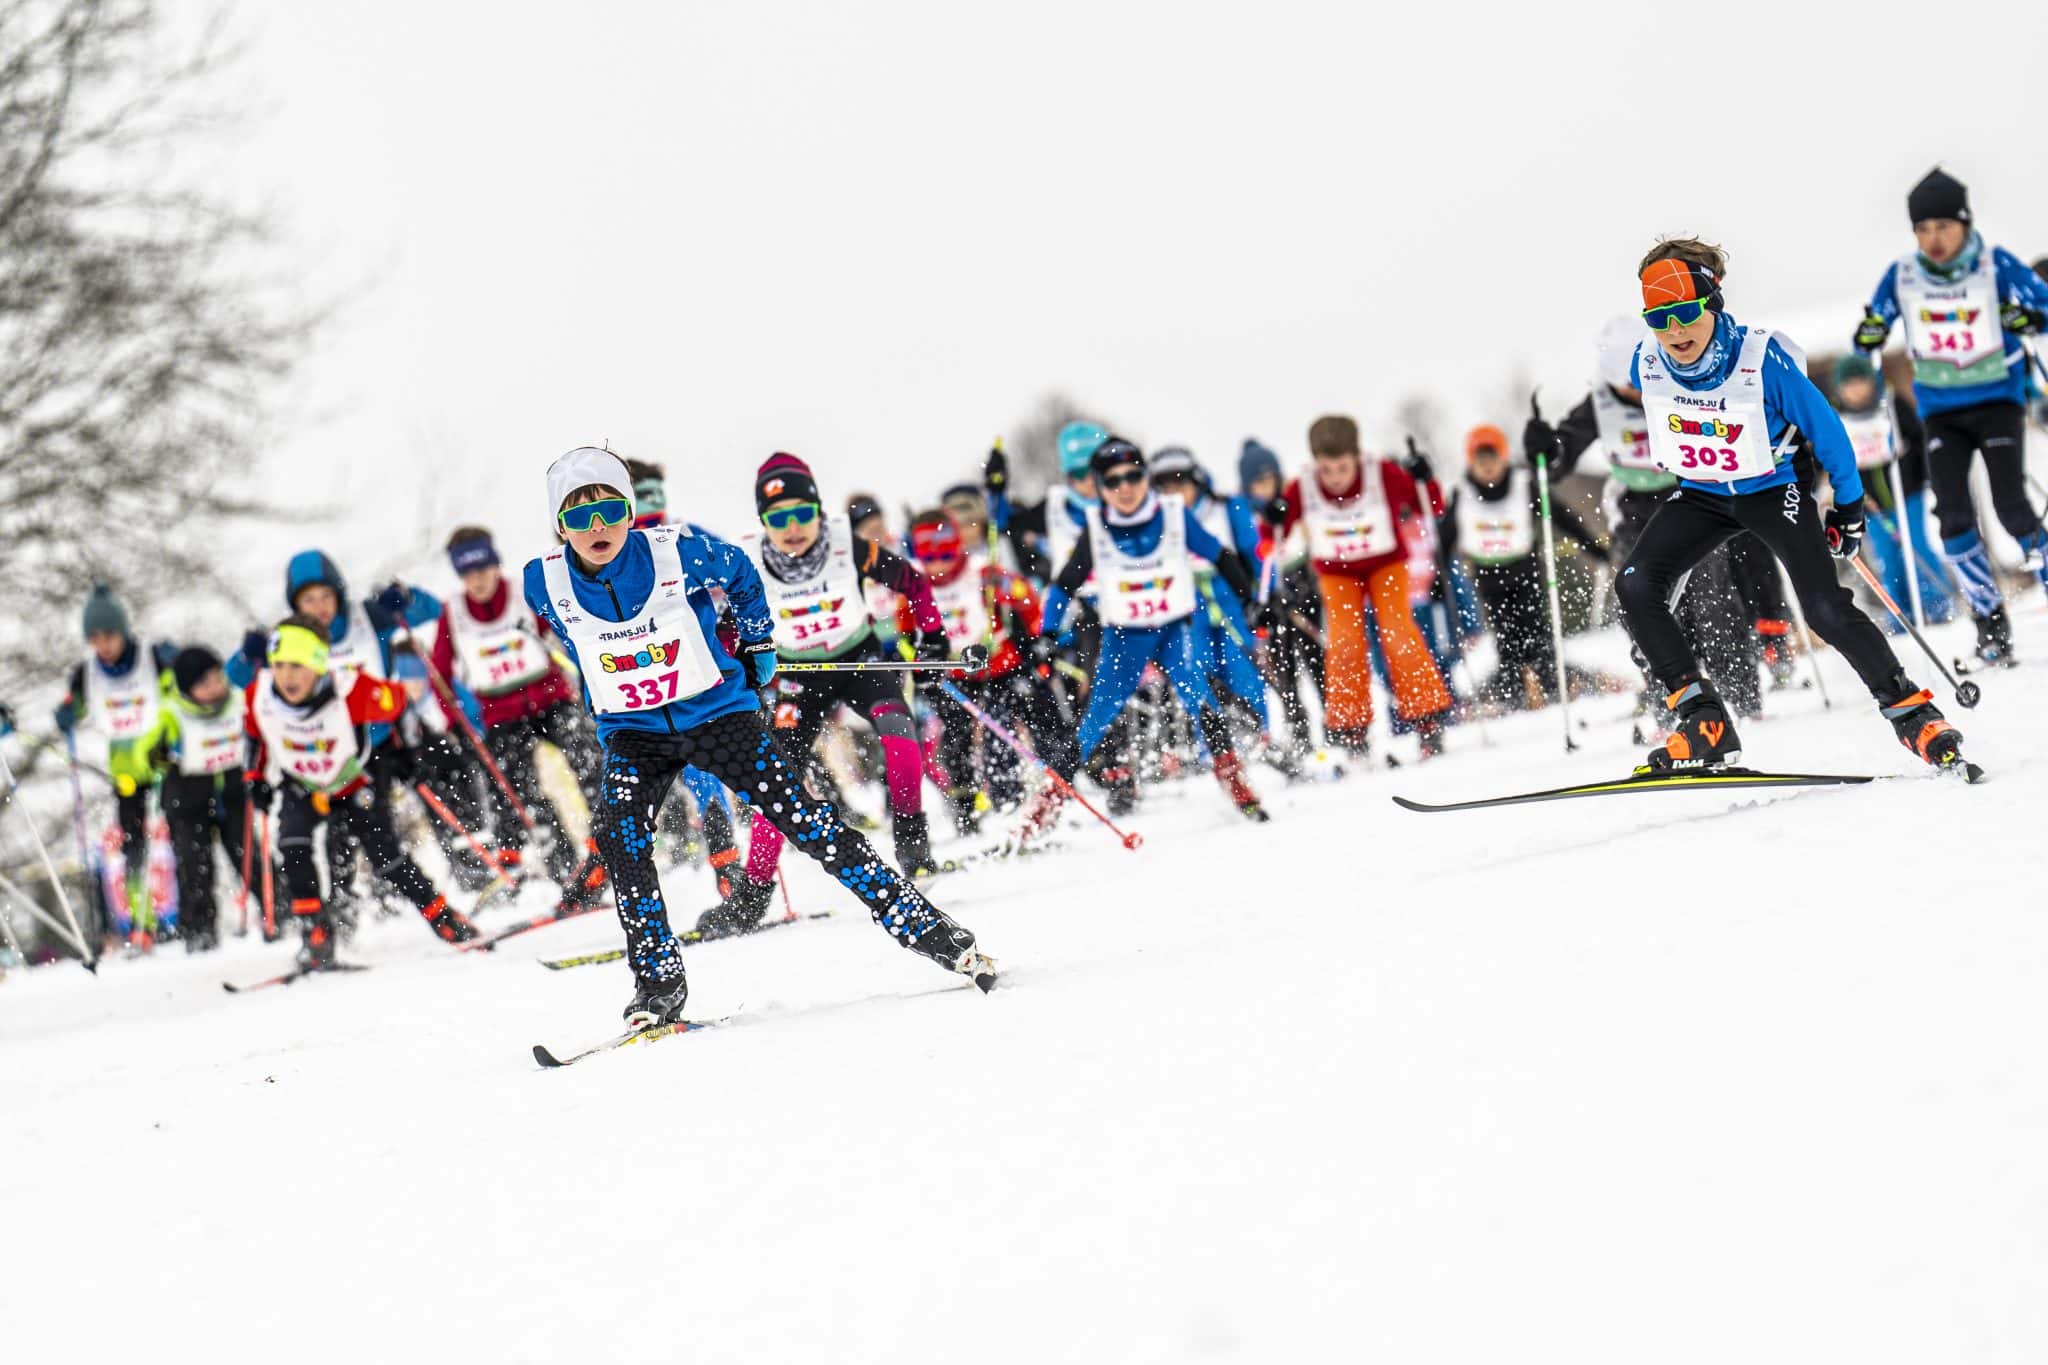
[(1967, 305), (633, 608), (1732, 413)]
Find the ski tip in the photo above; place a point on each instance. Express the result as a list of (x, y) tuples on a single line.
[(546, 1059), (1405, 804), (231, 988)]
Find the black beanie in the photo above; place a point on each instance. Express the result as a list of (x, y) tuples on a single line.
[(1938, 195), (780, 478), (1113, 452), (193, 663)]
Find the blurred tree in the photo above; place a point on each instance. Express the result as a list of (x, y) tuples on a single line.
[(136, 353), (1033, 445)]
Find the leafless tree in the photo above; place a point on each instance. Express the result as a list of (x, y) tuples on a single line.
[(1033, 446), (137, 350)]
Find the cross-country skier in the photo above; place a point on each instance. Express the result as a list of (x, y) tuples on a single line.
[(1494, 520), (1348, 507), (1294, 648), (197, 747), (1733, 414), (633, 609), (1968, 308), (1873, 432), (317, 738), (118, 690), (492, 644), (1225, 621), (1138, 549)]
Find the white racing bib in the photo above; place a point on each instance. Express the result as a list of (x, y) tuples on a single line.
[(1870, 437), (1496, 532), (316, 749), (500, 655), (1140, 591), (1717, 435), (1952, 330), (1358, 530), (822, 616), (125, 707), (657, 657), (209, 745), (358, 653), (1063, 533), (963, 606)]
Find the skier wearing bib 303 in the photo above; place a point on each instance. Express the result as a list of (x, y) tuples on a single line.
[(1967, 307), (633, 608), (1733, 415)]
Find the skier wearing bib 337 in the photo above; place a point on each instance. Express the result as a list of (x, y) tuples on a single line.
[(633, 608), (1967, 307), (1732, 413)]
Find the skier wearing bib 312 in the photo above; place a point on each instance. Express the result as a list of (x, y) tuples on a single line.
[(1733, 415), (1967, 307), (633, 608)]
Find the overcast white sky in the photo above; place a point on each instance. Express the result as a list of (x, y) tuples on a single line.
[(873, 233)]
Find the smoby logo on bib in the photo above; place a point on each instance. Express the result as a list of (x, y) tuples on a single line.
[(1964, 316), (1161, 584), (1714, 428), (822, 607), (658, 653)]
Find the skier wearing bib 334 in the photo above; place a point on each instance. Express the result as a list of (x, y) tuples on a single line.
[(1733, 415), (633, 608), (1967, 307)]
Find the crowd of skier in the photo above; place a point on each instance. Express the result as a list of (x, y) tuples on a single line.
[(714, 696)]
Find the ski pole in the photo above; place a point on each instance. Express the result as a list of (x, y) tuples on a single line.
[(78, 823), (1897, 479), (269, 890), (454, 708), (1805, 635), (1444, 607), (76, 934), (877, 666), (1564, 699), (13, 943), (440, 808), (1968, 694), (39, 915), (242, 896), (1132, 841)]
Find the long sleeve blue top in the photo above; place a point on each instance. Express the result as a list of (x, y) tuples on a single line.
[(2017, 283)]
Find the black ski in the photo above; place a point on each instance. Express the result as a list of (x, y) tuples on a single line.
[(562, 911), (556, 964), (549, 1061), (287, 978), (1646, 781)]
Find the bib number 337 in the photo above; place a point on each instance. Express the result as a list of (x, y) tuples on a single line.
[(645, 692)]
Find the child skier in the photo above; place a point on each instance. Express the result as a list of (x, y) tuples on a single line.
[(1968, 308), (1733, 414), (633, 609), (1139, 549), (490, 642), (118, 689), (1348, 506), (318, 739), (1874, 433), (987, 611), (197, 748), (1494, 519)]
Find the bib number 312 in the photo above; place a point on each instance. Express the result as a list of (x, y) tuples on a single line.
[(646, 692)]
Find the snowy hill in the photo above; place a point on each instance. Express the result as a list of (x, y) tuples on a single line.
[(1701, 1077)]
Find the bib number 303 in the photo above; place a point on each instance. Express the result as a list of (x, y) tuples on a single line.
[(645, 692)]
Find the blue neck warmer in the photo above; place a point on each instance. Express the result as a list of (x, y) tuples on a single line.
[(1710, 359), (1963, 264)]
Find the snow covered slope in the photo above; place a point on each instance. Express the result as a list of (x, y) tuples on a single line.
[(1675, 1078)]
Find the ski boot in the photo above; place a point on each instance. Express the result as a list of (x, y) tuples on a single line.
[(1429, 732), (1922, 728), (1230, 775), (1994, 638), (742, 909), (449, 924), (1356, 744), (655, 1003), (965, 805), (201, 940), (728, 869), (952, 947), (316, 926), (1703, 738), (913, 837), (1041, 815), (1774, 639)]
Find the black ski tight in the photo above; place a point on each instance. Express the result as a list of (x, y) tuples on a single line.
[(1999, 430), (1690, 525), (365, 815)]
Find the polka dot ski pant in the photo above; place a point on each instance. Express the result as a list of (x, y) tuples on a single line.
[(740, 751)]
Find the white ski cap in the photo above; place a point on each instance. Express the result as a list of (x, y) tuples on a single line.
[(583, 466), (1616, 348)]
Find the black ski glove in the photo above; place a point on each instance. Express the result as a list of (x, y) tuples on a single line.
[(757, 658), (1417, 464), (931, 649), (1871, 332), (260, 792), (1844, 531), (1043, 649), (2019, 319), (1539, 438), (974, 658), (1274, 513), (995, 470), (394, 597)]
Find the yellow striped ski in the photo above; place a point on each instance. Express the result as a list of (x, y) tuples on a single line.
[(1644, 780)]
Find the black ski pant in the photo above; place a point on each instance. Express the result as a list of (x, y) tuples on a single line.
[(1691, 525), (742, 752), (1024, 705), (1709, 610), (451, 773), (1756, 578), (511, 746), (1518, 611), (201, 809), (1999, 431), (365, 815)]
